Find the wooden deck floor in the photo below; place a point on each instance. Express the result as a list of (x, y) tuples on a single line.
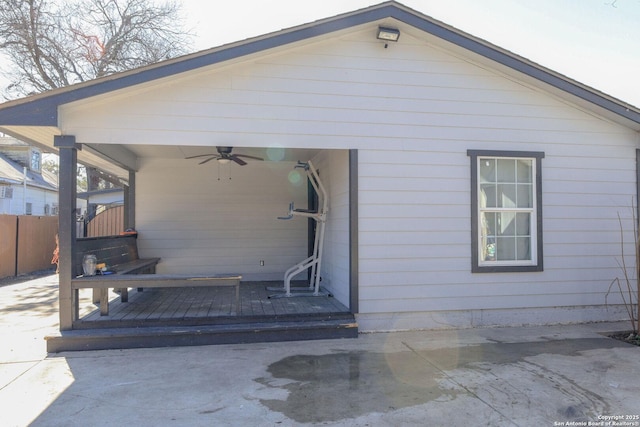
[(199, 306)]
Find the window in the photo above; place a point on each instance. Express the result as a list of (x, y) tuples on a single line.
[(6, 192), (35, 160), (29, 208), (506, 211)]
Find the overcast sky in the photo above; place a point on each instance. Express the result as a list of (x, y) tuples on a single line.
[(596, 42)]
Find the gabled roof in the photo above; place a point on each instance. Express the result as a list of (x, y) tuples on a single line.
[(12, 173), (42, 109)]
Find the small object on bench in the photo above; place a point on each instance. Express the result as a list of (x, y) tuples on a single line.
[(89, 262)]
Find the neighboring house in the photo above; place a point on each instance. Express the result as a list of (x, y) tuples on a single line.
[(25, 188), (105, 197), (467, 185)]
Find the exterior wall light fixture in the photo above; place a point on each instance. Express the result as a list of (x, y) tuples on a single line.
[(388, 34)]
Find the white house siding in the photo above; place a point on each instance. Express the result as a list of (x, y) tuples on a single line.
[(414, 223), (415, 241), (39, 198), (199, 225), (333, 166), (413, 111)]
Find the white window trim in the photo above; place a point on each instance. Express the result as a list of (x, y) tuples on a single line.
[(531, 211)]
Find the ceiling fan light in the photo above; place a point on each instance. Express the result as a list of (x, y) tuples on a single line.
[(224, 160)]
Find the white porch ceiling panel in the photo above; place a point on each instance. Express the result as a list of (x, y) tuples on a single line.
[(181, 152)]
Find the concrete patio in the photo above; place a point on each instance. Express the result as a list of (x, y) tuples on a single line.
[(499, 377)]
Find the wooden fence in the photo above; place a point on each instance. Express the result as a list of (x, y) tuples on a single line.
[(109, 222), (26, 243)]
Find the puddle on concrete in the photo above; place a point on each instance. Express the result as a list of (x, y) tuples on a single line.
[(337, 386)]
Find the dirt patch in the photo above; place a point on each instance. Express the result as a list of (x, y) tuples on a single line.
[(628, 337)]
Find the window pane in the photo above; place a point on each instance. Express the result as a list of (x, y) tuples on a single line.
[(525, 196), (488, 196), (525, 171), (523, 248), (506, 236), (523, 224), (489, 224), (507, 195), (487, 170), (506, 170), (488, 239), (506, 224), (506, 248)]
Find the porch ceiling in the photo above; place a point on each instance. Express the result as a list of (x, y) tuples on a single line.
[(117, 159), (181, 152)]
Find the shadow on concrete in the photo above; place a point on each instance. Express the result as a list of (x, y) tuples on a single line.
[(33, 297)]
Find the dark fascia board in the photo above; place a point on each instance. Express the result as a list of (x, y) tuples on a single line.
[(42, 110)]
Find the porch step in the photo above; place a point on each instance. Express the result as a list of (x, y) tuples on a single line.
[(168, 336)]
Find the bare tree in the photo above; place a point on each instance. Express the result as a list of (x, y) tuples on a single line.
[(52, 44)]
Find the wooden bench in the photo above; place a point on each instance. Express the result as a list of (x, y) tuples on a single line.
[(120, 253), (122, 281)]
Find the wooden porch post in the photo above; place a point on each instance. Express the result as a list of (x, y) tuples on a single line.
[(354, 257), (130, 202), (67, 193)]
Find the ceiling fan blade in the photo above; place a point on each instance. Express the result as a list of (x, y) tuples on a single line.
[(225, 154), (208, 160), (237, 160), (248, 157), (200, 155)]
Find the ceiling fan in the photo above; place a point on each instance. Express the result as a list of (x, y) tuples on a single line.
[(224, 156)]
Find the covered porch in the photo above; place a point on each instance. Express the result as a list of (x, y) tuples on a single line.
[(207, 148), (205, 306), (161, 317), (206, 315)]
